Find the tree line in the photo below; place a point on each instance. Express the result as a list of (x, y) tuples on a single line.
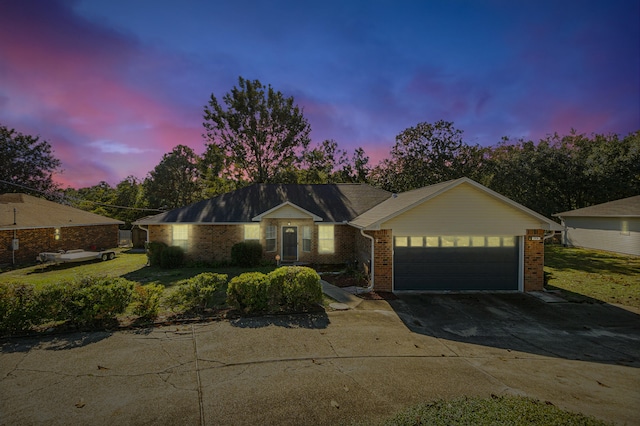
[(254, 134)]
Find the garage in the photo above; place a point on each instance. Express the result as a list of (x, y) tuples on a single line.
[(456, 263)]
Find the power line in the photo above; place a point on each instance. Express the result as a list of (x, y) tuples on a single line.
[(62, 196)]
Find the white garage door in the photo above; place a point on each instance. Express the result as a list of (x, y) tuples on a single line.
[(456, 263)]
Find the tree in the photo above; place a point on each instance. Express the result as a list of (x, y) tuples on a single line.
[(427, 154), (174, 181), (260, 132), (319, 164), (26, 161)]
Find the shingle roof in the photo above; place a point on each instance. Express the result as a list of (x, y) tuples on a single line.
[(626, 207), (34, 212), (332, 202)]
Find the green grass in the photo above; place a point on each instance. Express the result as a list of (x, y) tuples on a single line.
[(497, 410), (132, 266), (591, 275)]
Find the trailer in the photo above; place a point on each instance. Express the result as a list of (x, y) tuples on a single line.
[(78, 255)]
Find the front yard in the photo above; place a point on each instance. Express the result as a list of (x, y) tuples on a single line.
[(583, 275)]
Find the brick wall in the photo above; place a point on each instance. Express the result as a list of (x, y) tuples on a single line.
[(34, 241), (383, 259), (210, 243), (534, 260)]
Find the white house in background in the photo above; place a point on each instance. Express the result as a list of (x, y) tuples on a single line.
[(612, 226)]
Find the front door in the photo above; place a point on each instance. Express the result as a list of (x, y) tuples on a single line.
[(289, 243)]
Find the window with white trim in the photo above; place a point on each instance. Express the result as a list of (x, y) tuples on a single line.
[(252, 232), (306, 238), (180, 236), (326, 239), (271, 236)]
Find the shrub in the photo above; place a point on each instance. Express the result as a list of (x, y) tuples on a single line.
[(197, 293), (246, 254), (146, 300), (294, 288), (94, 299), (154, 251), (248, 292), (19, 308), (172, 257)]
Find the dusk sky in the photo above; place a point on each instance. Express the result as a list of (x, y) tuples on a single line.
[(115, 84)]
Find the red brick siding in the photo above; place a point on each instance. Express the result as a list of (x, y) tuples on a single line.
[(34, 241), (213, 242), (383, 259), (534, 260)]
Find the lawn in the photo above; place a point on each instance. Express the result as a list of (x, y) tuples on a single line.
[(129, 265), (583, 275)]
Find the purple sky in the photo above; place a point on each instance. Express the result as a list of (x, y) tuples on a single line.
[(115, 84)]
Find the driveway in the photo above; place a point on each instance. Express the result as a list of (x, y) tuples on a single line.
[(594, 332), (335, 368)]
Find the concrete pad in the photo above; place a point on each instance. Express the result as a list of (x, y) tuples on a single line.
[(339, 295)]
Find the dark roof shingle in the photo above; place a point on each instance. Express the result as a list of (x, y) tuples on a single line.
[(332, 202)]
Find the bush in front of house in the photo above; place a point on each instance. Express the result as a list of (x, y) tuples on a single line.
[(81, 301), (146, 300), (248, 292), (154, 251), (19, 308), (286, 289), (197, 293), (246, 254), (95, 299), (295, 288), (172, 257)]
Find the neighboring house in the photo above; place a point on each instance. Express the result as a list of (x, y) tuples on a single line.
[(31, 225), (612, 226), (456, 235)]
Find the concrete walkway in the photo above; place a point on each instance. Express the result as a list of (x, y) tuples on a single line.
[(330, 368), (340, 295)]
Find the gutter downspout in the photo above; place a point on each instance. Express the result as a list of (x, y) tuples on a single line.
[(371, 272)]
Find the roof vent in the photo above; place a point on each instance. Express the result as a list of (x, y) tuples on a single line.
[(394, 195)]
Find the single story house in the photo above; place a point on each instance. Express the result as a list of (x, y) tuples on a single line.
[(453, 236), (612, 226), (30, 225)]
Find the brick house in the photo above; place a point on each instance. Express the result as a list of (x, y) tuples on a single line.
[(456, 235), (31, 225)]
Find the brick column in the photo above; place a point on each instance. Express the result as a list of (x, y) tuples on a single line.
[(534, 260), (382, 259)]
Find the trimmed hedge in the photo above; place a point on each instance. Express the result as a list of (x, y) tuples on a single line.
[(246, 254), (248, 292), (82, 301), (197, 293), (154, 251), (146, 300), (298, 287), (286, 289)]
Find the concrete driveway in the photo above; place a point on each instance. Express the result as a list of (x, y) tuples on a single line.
[(336, 368), (594, 332)]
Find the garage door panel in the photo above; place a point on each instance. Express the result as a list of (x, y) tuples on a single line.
[(456, 268)]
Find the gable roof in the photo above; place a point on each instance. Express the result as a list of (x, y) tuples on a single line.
[(33, 212), (332, 203), (400, 203), (626, 207)]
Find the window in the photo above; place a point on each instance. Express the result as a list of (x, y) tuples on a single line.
[(271, 237), (416, 241), (402, 241), (306, 238), (326, 241), (252, 232), (180, 236)]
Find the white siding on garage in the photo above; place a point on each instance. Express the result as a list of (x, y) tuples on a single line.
[(621, 235), (463, 210)]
